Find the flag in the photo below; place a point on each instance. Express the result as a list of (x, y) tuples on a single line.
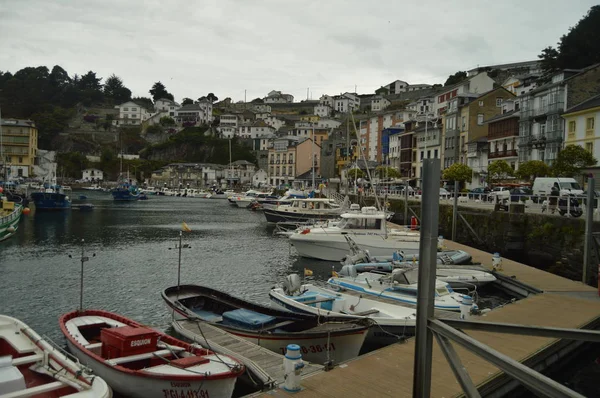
[(307, 272), (334, 274), (185, 228)]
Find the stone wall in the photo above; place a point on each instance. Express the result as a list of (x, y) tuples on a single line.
[(551, 243)]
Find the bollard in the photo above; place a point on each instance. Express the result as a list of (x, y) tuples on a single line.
[(496, 262), (441, 242), (292, 366), (465, 307)]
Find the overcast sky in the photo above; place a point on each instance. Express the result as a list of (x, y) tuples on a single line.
[(228, 46)]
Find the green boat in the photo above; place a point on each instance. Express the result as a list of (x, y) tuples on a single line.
[(10, 215)]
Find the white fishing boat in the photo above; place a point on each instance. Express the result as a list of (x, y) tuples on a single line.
[(368, 229), (249, 197), (31, 366), (392, 322), (141, 362), (400, 285), (220, 194), (303, 210)]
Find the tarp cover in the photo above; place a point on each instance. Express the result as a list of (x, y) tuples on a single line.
[(246, 318)]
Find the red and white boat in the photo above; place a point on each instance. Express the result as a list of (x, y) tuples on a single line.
[(31, 366), (141, 362)]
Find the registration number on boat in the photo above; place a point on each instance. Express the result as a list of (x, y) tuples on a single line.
[(185, 393), (313, 348)]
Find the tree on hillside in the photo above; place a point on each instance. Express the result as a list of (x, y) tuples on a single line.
[(455, 78), (532, 169), (499, 170), (458, 172), (114, 88), (90, 81), (578, 48), (167, 121), (187, 101), (71, 163), (571, 160), (211, 97), (159, 90), (389, 172), (59, 78)]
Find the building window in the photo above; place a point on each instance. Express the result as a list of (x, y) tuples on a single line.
[(480, 103), (498, 101), (572, 126), (133, 109), (480, 119), (589, 123), (435, 154), (126, 109), (422, 154), (20, 159), (589, 146)]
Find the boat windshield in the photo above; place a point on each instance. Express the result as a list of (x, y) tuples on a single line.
[(360, 223), (442, 291)]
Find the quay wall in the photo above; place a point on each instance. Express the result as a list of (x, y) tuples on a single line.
[(548, 242)]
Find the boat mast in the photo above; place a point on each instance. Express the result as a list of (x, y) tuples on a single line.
[(83, 259), (313, 156), (230, 165)]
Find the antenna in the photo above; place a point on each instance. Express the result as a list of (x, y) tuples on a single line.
[(83, 259)]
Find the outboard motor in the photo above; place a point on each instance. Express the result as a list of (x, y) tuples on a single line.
[(348, 270), (292, 284)]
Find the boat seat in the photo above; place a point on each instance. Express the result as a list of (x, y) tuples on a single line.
[(28, 359), (139, 357), (38, 390), (365, 313), (94, 345), (321, 300)]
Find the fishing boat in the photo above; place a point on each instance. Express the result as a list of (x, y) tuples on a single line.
[(400, 285), (322, 339), (285, 199), (141, 362), (368, 229), (220, 194), (125, 191), (31, 366), (51, 197), (392, 322), (304, 209), (10, 215)]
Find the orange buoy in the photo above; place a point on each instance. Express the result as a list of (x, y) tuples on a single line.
[(413, 222), (26, 210), (1, 189)]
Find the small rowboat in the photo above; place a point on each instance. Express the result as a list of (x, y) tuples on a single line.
[(32, 366), (141, 362), (321, 339)]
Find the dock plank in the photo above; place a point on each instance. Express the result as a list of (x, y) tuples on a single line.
[(393, 365)]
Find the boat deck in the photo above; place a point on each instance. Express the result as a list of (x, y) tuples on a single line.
[(262, 363), (563, 303)]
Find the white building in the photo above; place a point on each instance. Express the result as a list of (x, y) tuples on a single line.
[(477, 160), (428, 145), (260, 178), (328, 123), (477, 84), (277, 97), (327, 100), (254, 130), (130, 114), (341, 104), (379, 103), (322, 110), (199, 113), (166, 105), (423, 105), (274, 122), (92, 175), (261, 108), (395, 87), (417, 87), (240, 172)]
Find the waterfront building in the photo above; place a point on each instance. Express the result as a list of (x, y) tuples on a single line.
[(20, 146), (581, 123)]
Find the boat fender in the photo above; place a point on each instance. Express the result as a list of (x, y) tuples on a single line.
[(305, 231)]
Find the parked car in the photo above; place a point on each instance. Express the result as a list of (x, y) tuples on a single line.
[(521, 194), (444, 194), (500, 193), (481, 193)]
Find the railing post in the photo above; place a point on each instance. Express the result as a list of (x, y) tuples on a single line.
[(589, 221), (427, 270), (454, 211)]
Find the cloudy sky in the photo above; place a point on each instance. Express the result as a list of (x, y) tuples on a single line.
[(228, 46)]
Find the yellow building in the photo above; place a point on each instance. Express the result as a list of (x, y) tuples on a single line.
[(309, 118), (19, 146), (581, 127)]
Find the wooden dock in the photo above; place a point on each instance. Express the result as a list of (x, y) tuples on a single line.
[(263, 364), (388, 372)]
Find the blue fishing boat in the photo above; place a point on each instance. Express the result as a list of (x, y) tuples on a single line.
[(125, 192), (51, 197)]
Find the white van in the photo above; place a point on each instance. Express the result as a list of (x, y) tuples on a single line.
[(543, 185)]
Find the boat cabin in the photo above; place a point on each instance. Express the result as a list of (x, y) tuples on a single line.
[(368, 219), (302, 205)]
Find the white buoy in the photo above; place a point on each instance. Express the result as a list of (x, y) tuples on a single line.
[(465, 307), (497, 262), (292, 366)]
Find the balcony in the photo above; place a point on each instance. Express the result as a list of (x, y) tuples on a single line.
[(503, 154), (271, 162)]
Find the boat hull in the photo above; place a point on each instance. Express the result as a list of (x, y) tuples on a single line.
[(336, 248), (9, 224), (51, 201), (124, 195), (274, 216), (145, 387)]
